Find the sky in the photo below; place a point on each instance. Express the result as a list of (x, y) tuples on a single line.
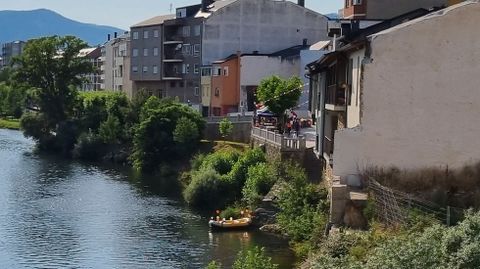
[(123, 13)]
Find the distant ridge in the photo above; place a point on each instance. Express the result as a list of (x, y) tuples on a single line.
[(333, 16), (24, 25)]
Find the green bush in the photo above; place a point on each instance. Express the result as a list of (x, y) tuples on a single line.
[(303, 207), (225, 127), (186, 134), (221, 161), (214, 265), (89, 147), (253, 259), (260, 179), (207, 189), (238, 174)]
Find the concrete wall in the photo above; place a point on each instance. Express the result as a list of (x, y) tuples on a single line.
[(241, 132), (387, 9), (259, 25), (420, 101)]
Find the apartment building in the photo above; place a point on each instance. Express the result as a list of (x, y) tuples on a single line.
[(386, 9), (116, 64), (10, 50), (198, 35), (92, 81)]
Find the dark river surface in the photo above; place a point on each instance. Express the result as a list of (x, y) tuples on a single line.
[(58, 213)]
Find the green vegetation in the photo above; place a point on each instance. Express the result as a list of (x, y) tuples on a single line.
[(12, 100), (225, 128), (13, 124), (214, 265), (94, 125), (218, 178), (279, 94), (425, 245), (254, 258), (260, 179)]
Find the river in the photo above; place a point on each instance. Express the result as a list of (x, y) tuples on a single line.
[(58, 213)]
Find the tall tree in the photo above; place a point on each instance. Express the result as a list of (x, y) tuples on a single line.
[(51, 66), (279, 94)]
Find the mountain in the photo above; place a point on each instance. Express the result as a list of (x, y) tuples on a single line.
[(24, 25), (333, 16)]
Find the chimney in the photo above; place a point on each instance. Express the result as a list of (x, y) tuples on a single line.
[(205, 4), (305, 41), (115, 35), (108, 37), (301, 3)]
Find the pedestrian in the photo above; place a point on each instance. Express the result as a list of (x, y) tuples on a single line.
[(289, 127), (296, 126)]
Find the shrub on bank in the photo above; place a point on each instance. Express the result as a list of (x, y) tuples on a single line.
[(89, 147), (260, 179), (207, 189), (254, 258)]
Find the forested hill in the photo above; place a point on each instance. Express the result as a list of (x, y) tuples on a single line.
[(24, 25)]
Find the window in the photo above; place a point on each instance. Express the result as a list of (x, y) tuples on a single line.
[(181, 13), (196, 69), (134, 69), (217, 91), (186, 49), (145, 69), (145, 34), (145, 52), (196, 30), (225, 71), (187, 69), (206, 71), (173, 84), (356, 2), (135, 35), (155, 33), (347, 3), (196, 49), (197, 91), (218, 71), (155, 69), (135, 52), (186, 31), (155, 51), (181, 84)]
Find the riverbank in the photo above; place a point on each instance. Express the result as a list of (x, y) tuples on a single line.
[(11, 124)]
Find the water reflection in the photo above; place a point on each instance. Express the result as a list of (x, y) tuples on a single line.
[(55, 213)]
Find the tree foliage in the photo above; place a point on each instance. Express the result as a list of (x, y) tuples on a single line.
[(254, 258), (154, 140), (225, 128), (260, 179), (12, 100), (279, 94)]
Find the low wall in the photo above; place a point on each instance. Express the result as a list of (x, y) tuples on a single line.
[(241, 131)]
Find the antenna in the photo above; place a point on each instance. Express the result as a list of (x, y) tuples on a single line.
[(171, 8)]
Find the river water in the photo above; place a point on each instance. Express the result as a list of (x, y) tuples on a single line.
[(57, 213)]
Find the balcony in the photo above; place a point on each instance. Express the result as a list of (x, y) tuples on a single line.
[(171, 73), (335, 99), (172, 55), (173, 40), (328, 149)]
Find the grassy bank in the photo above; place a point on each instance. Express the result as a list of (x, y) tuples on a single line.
[(13, 124)]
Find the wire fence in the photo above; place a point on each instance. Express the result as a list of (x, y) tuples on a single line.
[(393, 207)]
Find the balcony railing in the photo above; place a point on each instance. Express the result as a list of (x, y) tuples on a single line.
[(276, 139)]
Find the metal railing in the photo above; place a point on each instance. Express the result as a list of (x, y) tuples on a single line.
[(239, 118), (279, 140)]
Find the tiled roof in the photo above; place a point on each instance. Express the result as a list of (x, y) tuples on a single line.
[(155, 20)]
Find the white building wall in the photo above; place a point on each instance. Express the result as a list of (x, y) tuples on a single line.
[(265, 26), (420, 102), (256, 68)]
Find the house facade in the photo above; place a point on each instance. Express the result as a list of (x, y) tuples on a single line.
[(199, 35), (10, 50), (92, 81), (399, 94), (116, 65)]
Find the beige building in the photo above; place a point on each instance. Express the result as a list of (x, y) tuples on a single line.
[(386, 9), (116, 65), (399, 95)]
